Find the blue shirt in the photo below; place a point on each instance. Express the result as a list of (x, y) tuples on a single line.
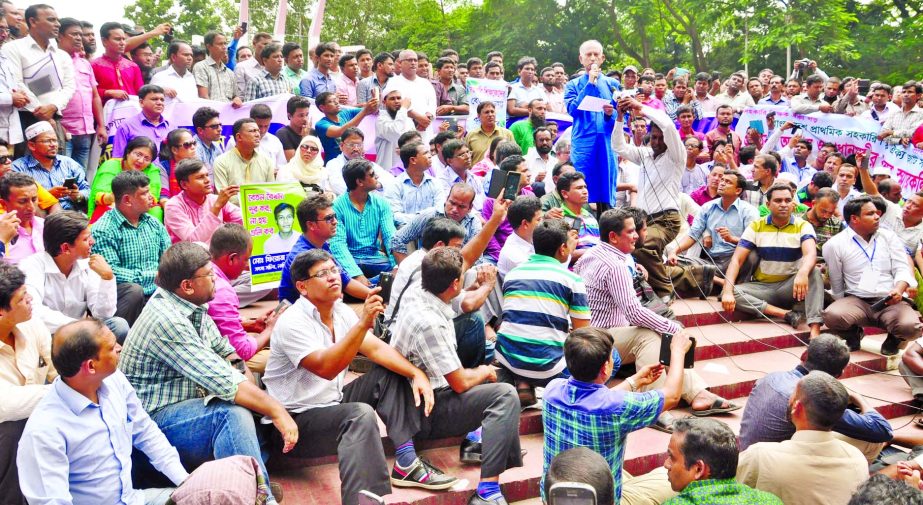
[(591, 144), (713, 216), (61, 168), (76, 451), (316, 83), (764, 417), (287, 289), (767, 100), (208, 154), (803, 175), (356, 240), (413, 231), (331, 144), (407, 199)]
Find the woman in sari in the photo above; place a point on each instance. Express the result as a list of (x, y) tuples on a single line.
[(139, 153)]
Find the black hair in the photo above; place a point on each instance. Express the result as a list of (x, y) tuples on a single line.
[(612, 221), (239, 124), (296, 102), (443, 61), (567, 180), (323, 98), (822, 180), (581, 464), (67, 23), (441, 229), (308, 208), (346, 57), (229, 238), (351, 132), (747, 154), (505, 149), (74, 343), (305, 261), (523, 209), (180, 262), (854, 207), (379, 59), (260, 111), (185, 169), (482, 105), (147, 89), (586, 350), (511, 163), (106, 29), (175, 47), (32, 11), (549, 236), (451, 147), (281, 206), (827, 353), (711, 442), (354, 171), (14, 180), (203, 115), (128, 182), (409, 151), (63, 228), (11, 279), (441, 267), (408, 136), (288, 47), (324, 47), (140, 142), (880, 489), (824, 399)]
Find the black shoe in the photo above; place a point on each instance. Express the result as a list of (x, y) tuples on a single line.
[(853, 338), (421, 474), (708, 281), (890, 346), (794, 319), (470, 452)]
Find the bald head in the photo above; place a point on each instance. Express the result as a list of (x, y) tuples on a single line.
[(75, 343)]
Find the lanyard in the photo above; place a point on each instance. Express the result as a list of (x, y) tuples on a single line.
[(874, 248)]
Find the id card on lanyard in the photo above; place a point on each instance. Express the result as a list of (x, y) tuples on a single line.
[(869, 280)]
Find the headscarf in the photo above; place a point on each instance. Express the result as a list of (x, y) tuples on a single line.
[(307, 173)]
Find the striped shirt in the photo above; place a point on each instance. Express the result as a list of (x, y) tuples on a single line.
[(779, 249), (539, 299), (413, 231), (264, 84), (424, 333), (175, 353), (581, 414), (588, 234), (133, 252), (611, 292), (356, 240), (408, 199)]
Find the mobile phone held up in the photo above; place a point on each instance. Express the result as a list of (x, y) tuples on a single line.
[(571, 493), (505, 183), (665, 340)]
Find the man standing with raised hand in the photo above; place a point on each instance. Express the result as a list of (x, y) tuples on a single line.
[(591, 152)]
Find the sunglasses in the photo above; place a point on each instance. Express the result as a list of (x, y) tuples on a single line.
[(309, 148), (5, 159), (188, 145)]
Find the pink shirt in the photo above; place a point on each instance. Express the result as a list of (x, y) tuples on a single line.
[(77, 117), (223, 309), (348, 86), (188, 221), (27, 244), (123, 74)]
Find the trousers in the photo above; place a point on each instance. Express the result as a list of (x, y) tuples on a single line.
[(753, 297), (10, 433), (660, 231), (900, 319)]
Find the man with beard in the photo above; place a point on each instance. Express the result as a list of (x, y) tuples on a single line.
[(143, 56), (390, 125), (539, 159), (522, 130), (725, 116), (89, 39), (591, 152), (554, 97), (776, 94), (382, 71), (734, 96), (85, 106), (116, 75)]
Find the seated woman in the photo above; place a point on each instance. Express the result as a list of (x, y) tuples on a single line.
[(179, 145), (306, 167), (139, 153)]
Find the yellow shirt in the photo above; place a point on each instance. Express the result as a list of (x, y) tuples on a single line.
[(45, 200)]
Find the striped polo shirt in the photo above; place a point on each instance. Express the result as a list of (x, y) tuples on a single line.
[(779, 249), (588, 234), (539, 298)]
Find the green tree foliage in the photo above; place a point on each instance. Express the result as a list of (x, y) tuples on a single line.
[(877, 38)]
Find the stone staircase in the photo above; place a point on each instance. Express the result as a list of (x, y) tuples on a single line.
[(731, 355)]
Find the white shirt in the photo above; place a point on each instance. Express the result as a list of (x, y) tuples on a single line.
[(537, 165), (659, 178), (59, 300), (514, 252), (420, 91), (387, 131), (28, 62), (25, 370), (270, 146), (184, 85), (849, 257), (11, 127), (523, 95), (338, 184), (890, 108), (893, 219), (299, 332)]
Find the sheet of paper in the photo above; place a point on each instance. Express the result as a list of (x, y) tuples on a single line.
[(593, 104)]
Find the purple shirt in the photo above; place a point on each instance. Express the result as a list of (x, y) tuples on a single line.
[(77, 117), (27, 244), (223, 309), (701, 196), (139, 126), (186, 220), (503, 231)]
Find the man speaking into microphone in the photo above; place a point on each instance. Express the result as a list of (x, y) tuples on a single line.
[(591, 151)]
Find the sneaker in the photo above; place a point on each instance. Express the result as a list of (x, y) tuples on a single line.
[(421, 474), (794, 319), (477, 500)]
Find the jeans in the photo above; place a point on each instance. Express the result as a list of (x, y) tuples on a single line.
[(203, 432), (119, 327), (469, 336), (78, 148), (372, 268)]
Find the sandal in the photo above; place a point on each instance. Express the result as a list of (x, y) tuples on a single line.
[(716, 408), (526, 394), (664, 423)]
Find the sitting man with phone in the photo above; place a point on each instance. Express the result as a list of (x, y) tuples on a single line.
[(608, 270), (464, 397), (785, 275), (870, 273), (574, 196), (64, 178), (583, 411), (312, 346)]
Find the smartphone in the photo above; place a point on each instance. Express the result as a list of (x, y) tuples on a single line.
[(880, 304), (453, 124), (511, 188), (665, 340), (169, 36), (571, 493), (282, 304), (575, 223), (70, 183), (864, 86), (865, 162), (758, 126), (243, 26), (795, 129), (681, 72), (497, 181), (385, 280), (370, 498)]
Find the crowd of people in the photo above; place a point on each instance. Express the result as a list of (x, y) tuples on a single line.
[(126, 361)]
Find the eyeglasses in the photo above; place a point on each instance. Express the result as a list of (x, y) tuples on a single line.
[(325, 273), (210, 275), (353, 145), (47, 142), (466, 154), (329, 219), (5, 160), (214, 126), (310, 148), (139, 156)]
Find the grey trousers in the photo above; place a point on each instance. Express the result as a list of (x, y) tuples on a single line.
[(130, 300), (753, 297), (901, 319), (10, 433), (915, 383)]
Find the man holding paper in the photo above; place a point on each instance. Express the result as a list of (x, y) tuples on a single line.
[(588, 99)]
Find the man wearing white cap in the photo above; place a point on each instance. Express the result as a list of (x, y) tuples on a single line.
[(392, 122), (630, 78), (51, 170)]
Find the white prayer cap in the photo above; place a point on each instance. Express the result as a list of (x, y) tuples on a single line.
[(881, 169), (38, 129), (391, 87)]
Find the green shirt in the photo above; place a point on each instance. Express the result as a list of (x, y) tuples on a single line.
[(133, 252), (294, 78), (522, 134), (722, 492), (175, 353), (102, 183)]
